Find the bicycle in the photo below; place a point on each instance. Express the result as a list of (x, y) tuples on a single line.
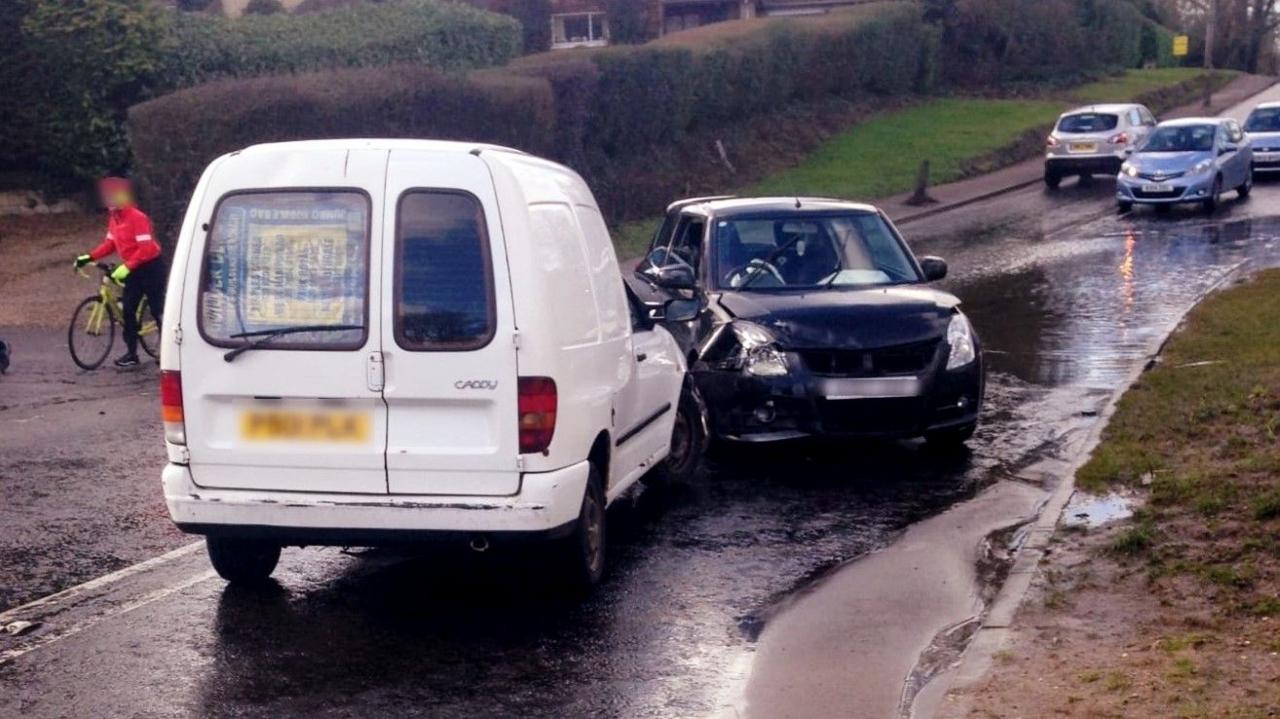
[(92, 331)]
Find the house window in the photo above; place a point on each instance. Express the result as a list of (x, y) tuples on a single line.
[(579, 29)]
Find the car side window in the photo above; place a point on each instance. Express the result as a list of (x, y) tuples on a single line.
[(686, 244), (1135, 118), (1147, 117)]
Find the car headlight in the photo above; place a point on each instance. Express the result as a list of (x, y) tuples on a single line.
[(760, 355), (1202, 166), (1129, 169), (960, 337)]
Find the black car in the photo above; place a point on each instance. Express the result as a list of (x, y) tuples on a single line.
[(818, 321)]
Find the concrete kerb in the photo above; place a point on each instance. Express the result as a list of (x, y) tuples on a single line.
[(998, 618)]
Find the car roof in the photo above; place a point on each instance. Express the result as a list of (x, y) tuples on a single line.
[(731, 206), (1115, 108), (1185, 121), (1269, 105)]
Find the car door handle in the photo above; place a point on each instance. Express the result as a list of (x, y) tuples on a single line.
[(641, 357)]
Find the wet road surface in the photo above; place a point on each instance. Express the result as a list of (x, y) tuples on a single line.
[(1067, 297)]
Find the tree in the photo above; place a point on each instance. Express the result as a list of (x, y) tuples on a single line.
[(629, 21), (194, 5), (90, 60), (535, 19)]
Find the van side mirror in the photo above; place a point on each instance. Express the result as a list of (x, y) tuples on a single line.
[(934, 268), (681, 310)]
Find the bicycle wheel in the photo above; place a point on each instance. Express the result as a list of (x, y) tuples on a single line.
[(91, 333), (148, 332)]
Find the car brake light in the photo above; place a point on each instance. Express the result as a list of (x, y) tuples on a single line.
[(1119, 138), (1051, 141), (175, 427), (537, 407)]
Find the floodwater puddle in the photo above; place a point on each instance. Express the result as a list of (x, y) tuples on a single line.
[(1092, 510)]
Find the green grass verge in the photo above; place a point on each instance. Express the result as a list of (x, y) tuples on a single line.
[(1201, 434), (881, 157)]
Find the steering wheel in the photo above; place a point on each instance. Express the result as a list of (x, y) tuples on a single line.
[(754, 268)]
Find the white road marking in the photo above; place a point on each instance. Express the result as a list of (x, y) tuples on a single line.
[(45, 640), (102, 582)]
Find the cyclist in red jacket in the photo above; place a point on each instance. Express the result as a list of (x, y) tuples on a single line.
[(140, 271)]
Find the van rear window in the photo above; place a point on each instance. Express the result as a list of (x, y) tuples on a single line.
[(443, 274), (287, 259)]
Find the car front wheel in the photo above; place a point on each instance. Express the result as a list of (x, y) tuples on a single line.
[(242, 561), (688, 442), (1124, 206), (1215, 195), (1247, 186)]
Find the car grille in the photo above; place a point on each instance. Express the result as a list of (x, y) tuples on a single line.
[(899, 360), (1160, 176)]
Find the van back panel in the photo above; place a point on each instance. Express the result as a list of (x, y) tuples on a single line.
[(291, 248), (448, 332)]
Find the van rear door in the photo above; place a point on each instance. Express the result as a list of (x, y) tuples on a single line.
[(448, 330), (289, 262)]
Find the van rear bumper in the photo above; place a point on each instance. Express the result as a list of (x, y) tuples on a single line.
[(546, 507)]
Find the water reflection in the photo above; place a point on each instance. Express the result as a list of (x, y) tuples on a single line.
[(1074, 321)]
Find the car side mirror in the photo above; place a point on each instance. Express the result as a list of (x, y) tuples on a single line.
[(934, 268), (681, 310), (1128, 151), (1229, 147), (672, 277)]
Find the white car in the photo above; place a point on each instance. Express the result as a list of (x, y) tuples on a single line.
[(1094, 140), (379, 341), (1263, 128)]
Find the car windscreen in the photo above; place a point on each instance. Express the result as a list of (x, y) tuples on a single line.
[(795, 251), (1263, 119), (287, 259), (1083, 122), (1180, 138)]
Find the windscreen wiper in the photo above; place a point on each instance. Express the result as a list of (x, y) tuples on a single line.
[(261, 337)]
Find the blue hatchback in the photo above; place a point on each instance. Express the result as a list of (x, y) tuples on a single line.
[(1189, 160)]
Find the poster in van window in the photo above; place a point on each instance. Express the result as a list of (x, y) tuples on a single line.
[(287, 259)]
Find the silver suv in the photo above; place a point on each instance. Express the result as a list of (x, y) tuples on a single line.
[(1094, 140)]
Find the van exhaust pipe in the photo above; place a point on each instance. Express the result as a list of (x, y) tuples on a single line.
[(480, 543)]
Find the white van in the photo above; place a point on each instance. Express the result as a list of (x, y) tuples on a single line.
[(375, 341)]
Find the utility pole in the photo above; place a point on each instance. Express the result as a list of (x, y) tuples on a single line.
[(1210, 27)]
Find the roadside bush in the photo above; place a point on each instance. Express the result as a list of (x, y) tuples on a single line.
[(441, 35), (174, 137), (84, 63), (263, 7)]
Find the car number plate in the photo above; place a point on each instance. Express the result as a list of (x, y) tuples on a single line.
[(286, 426), (1157, 189), (1083, 147), (1266, 156)]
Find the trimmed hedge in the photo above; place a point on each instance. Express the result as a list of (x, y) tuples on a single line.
[(175, 137), (441, 35)]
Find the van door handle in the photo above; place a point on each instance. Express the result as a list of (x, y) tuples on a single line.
[(375, 374), (641, 357)]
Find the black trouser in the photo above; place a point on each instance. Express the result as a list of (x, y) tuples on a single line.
[(146, 281)]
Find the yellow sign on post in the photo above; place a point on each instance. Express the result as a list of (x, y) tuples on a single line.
[(1180, 44)]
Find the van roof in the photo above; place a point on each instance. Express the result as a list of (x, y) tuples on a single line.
[(376, 144)]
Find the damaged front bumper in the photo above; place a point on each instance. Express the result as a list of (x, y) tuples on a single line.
[(801, 404)]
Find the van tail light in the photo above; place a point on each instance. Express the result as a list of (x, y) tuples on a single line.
[(175, 426), (537, 405), (1051, 141), (1120, 138)]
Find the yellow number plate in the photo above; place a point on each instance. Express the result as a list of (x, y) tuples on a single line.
[(1083, 147), (282, 426)]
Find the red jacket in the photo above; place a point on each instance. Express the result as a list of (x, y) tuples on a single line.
[(129, 233)]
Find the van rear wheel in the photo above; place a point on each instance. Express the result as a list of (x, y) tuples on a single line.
[(582, 553), (242, 561)]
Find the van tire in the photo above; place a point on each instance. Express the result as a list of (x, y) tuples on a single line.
[(242, 561), (582, 554), (688, 442)]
